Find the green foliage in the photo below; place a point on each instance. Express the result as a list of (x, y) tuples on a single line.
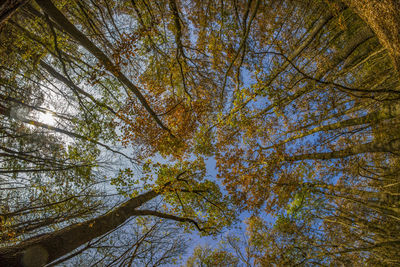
[(208, 257)]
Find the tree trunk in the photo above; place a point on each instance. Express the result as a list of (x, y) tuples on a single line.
[(51, 10), (383, 16), (49, 247), (387, 112), (364, 35), (372, 147), (8, 7)]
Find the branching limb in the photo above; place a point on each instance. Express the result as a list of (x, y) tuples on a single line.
[(168, 216)]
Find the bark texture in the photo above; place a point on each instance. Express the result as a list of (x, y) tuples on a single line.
[(8, 7), (383, 16), (49, 247)]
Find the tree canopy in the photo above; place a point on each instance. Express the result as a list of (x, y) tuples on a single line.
[(113, 113)]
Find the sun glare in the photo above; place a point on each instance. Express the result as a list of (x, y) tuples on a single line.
[(47, 118)]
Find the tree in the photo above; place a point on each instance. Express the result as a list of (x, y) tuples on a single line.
[(382, 17), (297, 101), (50, 61), (207, 257), (310, 122), (204, 197), (8, 8)]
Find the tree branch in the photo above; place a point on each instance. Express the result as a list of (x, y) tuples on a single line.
[(167, 216)]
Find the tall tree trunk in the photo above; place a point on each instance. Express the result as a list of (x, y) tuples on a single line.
[(8, 7), (49, 247), (383, 16), (52, 11), (364, 35), (387, 112), (371, 147)]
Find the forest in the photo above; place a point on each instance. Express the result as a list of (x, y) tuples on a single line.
[(199, 133)]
